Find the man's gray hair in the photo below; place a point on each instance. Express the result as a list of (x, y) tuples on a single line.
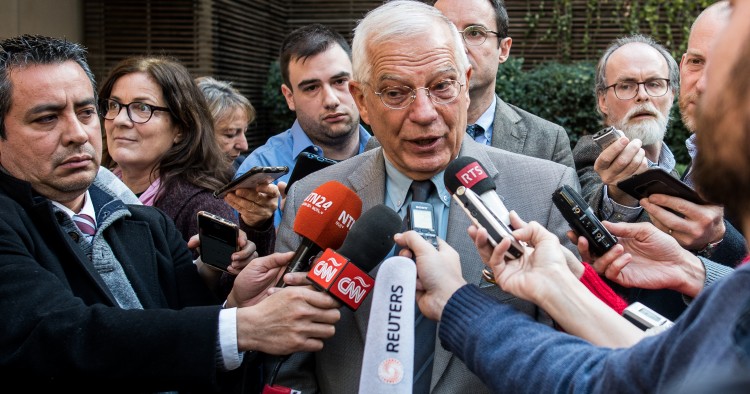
[(394, 20), (601, 77)]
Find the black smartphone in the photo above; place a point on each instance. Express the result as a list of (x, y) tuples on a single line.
[(606, 136), (582, 220), (657, 181), (306, 164), (218, 238), (253, 177), (422, 220), (481, 216)]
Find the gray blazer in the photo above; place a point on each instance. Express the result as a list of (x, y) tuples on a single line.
[(516, 130), (526, 185)]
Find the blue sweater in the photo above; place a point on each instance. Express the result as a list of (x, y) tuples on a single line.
[(512, 353)]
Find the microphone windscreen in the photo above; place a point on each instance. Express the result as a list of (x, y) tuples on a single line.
[(388, 361), (468, 172), (371, 237), (327, 214)]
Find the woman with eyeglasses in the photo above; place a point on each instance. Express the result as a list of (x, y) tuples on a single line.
[(160, 142)]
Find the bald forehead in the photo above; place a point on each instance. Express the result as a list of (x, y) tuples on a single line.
[(709, 23), (636, 55)]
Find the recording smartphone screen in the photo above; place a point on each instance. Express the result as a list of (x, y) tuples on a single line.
[(218, 240), (252, 178), (422, 221)]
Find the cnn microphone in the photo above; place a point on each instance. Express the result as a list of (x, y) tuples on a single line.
[(323, 220), (343, 273), (470, 173), (388, 362)]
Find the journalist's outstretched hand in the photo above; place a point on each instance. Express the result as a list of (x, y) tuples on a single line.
[(652, 260), (542, 276), (262, 273), (438, 272), (292, 319)]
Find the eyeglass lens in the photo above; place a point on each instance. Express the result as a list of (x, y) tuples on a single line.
[(475, 35), (137, 112), (397, 97), (629, 89)]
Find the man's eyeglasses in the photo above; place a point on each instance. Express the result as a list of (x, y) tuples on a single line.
[(626, 90), (137, 112), (400, 97), (476, 35)]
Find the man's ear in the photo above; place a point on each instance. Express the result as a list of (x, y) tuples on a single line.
[(505, 45), (601, 99), (288, 95), (355, 89)]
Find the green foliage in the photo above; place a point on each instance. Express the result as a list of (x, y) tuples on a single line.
[(274, 102), (656, 18), (564, 94), (560, 93)]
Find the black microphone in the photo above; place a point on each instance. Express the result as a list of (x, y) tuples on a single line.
[(470, 173), (343, 273)]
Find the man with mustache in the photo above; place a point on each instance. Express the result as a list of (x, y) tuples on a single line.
[(635, 85), (316, 68), (636, 80)]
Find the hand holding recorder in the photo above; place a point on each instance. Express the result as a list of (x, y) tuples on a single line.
[(618, 160)]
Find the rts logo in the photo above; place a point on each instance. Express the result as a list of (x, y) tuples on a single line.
[(471, 175)]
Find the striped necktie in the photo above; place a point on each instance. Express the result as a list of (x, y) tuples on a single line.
[(85, 223)]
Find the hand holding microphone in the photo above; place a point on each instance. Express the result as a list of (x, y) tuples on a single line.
[(470, 173), (323, 220), (343, 273), (438, 272)]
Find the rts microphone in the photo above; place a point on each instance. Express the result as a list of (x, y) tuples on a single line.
[(343, 273), (470, 173), (323, 220), (388, 362)]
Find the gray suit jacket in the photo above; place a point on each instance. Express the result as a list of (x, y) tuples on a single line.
[(526, 185), (516, 130)]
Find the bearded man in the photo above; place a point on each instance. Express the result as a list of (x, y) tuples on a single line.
[(636, 83)]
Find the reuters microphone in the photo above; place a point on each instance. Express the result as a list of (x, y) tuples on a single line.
[(343, 273), (388, 362), (323, 220), (470, 173)]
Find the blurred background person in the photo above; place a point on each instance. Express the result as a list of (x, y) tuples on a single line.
[(232, 113)]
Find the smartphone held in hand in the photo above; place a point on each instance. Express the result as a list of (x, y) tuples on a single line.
[(218, 238), (252, 178)]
